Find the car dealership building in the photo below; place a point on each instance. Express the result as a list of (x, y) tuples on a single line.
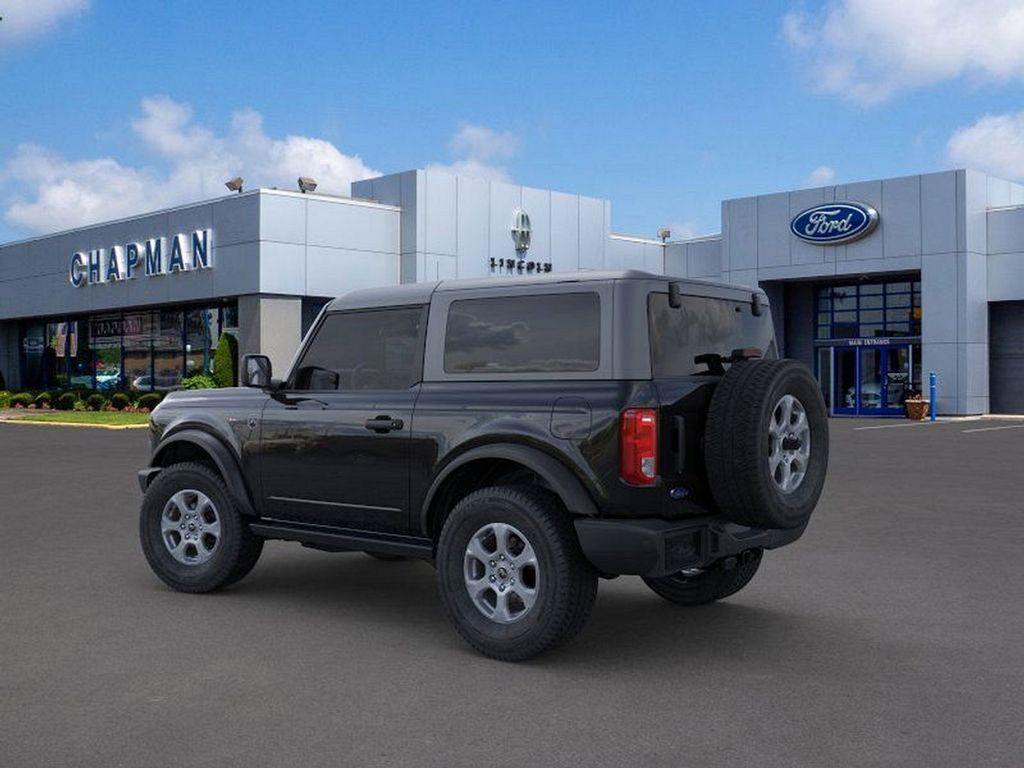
[(872, 284)]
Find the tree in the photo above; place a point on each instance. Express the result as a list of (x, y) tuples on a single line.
[(225, 361)]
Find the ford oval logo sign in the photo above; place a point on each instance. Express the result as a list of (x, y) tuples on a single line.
[(834, 223)]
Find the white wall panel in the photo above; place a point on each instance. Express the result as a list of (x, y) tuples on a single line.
[(773, 235), (593, 233), (334, 271), (938, 212), (565, 232), (439, 210), (473, 227), (901, 212)]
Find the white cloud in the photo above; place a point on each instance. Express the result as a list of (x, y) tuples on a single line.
[(868, 50), (25, 20), (994, 143), (481, 143), (49, 192), (479, 151), (820, 176)]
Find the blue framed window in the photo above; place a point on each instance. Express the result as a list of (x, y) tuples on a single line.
[(868, 310)]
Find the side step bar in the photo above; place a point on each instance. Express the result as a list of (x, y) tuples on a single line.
[(344, 539)]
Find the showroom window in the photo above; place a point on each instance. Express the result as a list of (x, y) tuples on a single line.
[(143, 350), (869, 310)]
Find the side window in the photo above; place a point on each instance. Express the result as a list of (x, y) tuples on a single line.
[(369, 349), (549, 333)]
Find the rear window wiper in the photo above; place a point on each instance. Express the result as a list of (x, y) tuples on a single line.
[(716, 362)]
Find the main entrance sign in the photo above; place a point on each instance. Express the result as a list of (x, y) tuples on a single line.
[(834, 223), (156, 256)]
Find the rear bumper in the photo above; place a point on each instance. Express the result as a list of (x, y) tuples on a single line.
[(650, 547)]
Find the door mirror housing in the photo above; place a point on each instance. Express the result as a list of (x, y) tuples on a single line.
[(256, 371)]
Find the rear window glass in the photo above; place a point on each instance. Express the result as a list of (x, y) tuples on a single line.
[(702, 326), (551, 333)]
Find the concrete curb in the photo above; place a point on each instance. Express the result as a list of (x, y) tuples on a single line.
[(73, 424)]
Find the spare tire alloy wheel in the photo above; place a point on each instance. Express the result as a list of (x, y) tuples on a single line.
[(789, 450), (501, 573), (766, 444)]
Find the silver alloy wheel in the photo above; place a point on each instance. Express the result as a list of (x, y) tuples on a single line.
[(190, 527), (789, 444), (501, 573)]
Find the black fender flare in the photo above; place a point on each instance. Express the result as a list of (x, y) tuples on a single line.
[(223, 457), (561, 479)]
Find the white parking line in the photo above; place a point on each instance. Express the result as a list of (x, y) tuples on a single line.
[(991, 429), (893, 426)]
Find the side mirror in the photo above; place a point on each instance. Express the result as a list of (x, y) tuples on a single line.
[(256, 371)]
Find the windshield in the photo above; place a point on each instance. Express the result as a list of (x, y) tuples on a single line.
[(703, 326)]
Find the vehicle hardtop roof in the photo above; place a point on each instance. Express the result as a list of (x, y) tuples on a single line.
[(420, 293)]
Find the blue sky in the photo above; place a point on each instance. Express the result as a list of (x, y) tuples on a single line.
[(109, 108)]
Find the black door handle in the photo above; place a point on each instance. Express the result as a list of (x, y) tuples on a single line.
[(384, 424)]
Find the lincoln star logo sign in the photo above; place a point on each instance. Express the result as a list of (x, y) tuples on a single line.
[(521, 230), (834, 223)]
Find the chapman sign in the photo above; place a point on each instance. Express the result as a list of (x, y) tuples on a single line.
[(834, 223), (156, 256)]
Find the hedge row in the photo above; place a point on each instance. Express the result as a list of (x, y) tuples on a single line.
[(81, 400)]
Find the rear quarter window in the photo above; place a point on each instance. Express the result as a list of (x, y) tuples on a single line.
[(550, 333), (702, 325)]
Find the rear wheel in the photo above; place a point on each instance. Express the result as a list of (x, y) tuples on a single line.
[(511, 574), (192, 533), (725, 578)]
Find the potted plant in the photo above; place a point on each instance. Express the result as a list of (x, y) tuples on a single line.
[(916, 406)]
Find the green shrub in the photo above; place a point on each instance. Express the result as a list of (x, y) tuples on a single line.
[(120, 401), (24, 399), (199, 381), (225, 361), (151, 400), (43, 400), (95, 402), (66, 402), (5, 398)]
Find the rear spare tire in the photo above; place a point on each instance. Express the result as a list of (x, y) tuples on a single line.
[(766, 444)]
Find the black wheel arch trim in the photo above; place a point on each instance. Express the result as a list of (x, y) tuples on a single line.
[(562, 480), (222, 456)]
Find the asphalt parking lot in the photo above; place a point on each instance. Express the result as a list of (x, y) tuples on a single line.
[(891, 634)]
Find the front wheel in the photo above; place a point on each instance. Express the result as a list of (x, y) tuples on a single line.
[(511, 574), (723, 579), (192, 533)]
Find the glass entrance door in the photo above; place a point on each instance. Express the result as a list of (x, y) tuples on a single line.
[(870, 380)]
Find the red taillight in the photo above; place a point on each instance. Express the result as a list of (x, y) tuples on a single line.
[(638, 446)]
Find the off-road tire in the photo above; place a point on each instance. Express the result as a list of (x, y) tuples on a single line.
[(566, 585), (713, 584), (237, 551), (737, 439)]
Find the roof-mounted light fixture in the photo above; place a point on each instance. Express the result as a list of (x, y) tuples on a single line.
[(235, 184), (306, 184)]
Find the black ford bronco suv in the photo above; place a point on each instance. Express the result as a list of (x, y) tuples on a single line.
[(527, 436)]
